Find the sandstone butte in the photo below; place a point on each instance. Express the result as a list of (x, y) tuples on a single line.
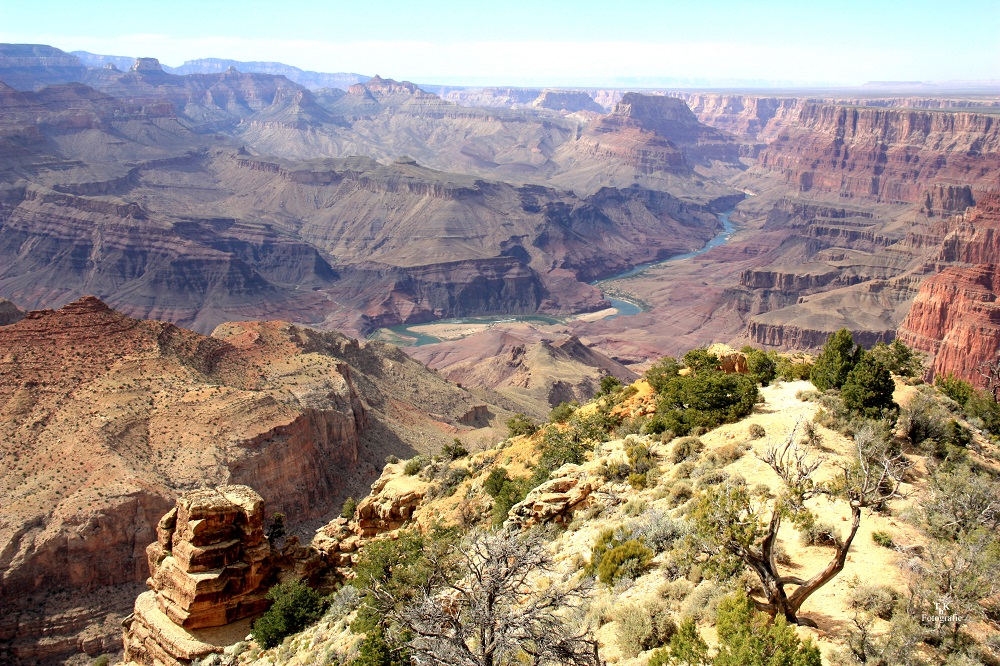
[(955, 317), (108, 418)]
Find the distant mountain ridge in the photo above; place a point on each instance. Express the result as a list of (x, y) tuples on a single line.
[(309, 79)]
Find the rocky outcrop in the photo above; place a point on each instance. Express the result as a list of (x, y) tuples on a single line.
[(210, 566), (566, 100), (567, 491), (390, 505), (9, 313), (955, 317)]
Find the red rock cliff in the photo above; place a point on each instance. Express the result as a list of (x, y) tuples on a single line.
[(955, 317)]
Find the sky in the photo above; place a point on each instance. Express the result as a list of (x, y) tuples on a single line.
[(543, 42)]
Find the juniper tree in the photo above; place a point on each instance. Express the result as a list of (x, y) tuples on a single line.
[(735, 521)]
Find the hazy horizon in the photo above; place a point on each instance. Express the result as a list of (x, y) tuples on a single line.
[(561, 43)]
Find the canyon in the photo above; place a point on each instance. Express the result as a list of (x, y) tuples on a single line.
[(184, 251), (107, 418)]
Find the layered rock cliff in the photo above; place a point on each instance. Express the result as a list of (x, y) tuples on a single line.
[(955, 317), (884, 155)]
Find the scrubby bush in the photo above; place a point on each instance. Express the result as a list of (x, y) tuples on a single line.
[(628, 560), (349, 507), (658, 530), (703, 400), (686, 448), (561, 412), (879, 600), (414, 465), (756, 431), (643, 627), (454, 450), (680, 492), (495, 481), (957, 389), (819, 534), (454, 478), (295, 606), (883, 539), (519, 424), (724, 455)]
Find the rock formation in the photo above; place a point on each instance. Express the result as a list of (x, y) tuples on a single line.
[(567, 490), (210, 566), (566, 100), (955, 317)]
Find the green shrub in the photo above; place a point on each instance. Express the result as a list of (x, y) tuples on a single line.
[(349, 507), (756, 431), (374, 650), (414, 465), (609, 384), (102, 660), (454, 450), (957, 389), (883, 539), (519, 424), (762, 366), (628, 560), (686, 448), (790, 370), (687, 647), (494, 483), (867, 391), (295, 607), (899, 359), (748, 637), (637, 481), (511, 492), (561, 412)]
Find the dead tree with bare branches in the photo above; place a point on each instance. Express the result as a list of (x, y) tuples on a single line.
[(489, 606)]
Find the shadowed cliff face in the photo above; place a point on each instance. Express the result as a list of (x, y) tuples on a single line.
[(106, 418)]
